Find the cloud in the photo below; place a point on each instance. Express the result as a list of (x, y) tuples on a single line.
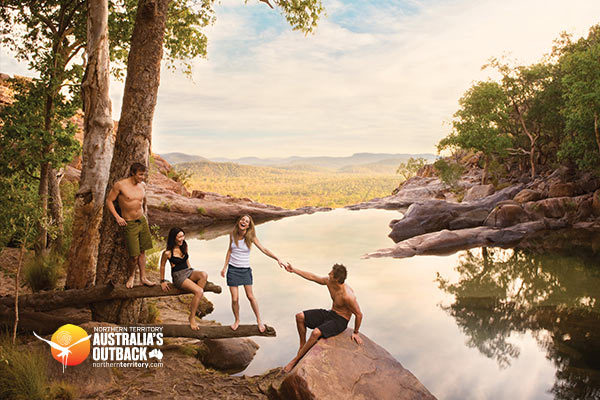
[(379, 76)]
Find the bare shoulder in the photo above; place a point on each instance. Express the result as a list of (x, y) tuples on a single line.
[(167, 253), (349, 293)]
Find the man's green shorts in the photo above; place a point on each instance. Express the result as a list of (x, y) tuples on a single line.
[(137, 236)]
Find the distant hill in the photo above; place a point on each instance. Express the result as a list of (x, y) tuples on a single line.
[(357, 163), (178, 158)]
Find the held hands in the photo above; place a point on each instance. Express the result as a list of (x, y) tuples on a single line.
[(288, 267), (281, 264), (164, 286), (356, 338)]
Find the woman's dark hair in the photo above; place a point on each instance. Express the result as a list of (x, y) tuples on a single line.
[(171, 241)]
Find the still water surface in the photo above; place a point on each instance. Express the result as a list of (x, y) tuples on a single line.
[(479, 324)]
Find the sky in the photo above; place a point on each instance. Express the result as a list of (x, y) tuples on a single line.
[(380, 76)]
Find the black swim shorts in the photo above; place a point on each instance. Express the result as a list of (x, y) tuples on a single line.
[(329, 322)]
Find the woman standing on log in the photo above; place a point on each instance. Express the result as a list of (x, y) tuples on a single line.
[(184, 277), (237, 267)]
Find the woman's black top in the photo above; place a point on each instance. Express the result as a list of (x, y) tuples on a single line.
[(178, 263)]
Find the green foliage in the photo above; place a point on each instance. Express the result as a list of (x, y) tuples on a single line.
[(448, 172), (24, 139), (410, 168), (23, 374), (581, 80), (153, 313), (181, 175), (18, 210), (43, 272), (201, 210)]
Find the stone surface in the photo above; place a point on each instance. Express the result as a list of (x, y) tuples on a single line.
[(447, 242), (434, 215), (527, 195), (562, 190), (507, 215), (228, 355), (479, 192), (596, 203), (469, 219), (338, 368)]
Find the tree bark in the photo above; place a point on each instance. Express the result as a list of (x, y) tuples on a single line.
[(96, 154), (132, 144), (597, 130), (78, 297), (215, 331), (56, 210), (42, 238)]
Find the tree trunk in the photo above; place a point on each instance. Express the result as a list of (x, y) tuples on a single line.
[(215, 331), (47, 301), (56, 210), (96, 154), (597, 130), (485, 169), (132, 144), (42, 239)]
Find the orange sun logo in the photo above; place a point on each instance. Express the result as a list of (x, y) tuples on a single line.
[(70, 345)]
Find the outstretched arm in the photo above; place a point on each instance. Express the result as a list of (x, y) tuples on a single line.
[(164, 285), (321, 280), (267, 252)]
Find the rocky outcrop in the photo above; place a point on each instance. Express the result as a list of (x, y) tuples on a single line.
[(228, 355), (479, 192), (435, 215), (324, 373), (527, 195), (447, 242), (596, 203)]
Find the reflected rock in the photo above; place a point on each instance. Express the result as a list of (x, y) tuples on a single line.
[(338, 368)]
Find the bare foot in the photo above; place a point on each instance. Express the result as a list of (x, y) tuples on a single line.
[(261, 327), (235, 325), (129, 283), (289, 367), (147, 282), (193, 324)]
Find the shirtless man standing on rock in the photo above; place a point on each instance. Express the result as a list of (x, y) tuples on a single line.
[(327, 323), (131, 194)]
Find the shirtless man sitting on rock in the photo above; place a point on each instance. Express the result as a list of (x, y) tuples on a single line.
[(131, 193), (327, 323)]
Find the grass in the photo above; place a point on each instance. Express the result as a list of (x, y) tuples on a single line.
[(43, 272), (23, 374)]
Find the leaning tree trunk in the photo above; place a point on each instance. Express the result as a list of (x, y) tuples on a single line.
[(97, 151), (132, 145)]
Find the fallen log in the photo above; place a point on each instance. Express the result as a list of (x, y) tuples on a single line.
[(215, 331), (77, 297), (45, 324)]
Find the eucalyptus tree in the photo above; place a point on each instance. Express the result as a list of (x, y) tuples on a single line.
[(580, 67), (134, 135), (481, 123)]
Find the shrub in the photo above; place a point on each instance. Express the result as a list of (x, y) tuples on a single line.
[(23, 374), (43, 272), (201, 210), (153, 313), (448, 172)]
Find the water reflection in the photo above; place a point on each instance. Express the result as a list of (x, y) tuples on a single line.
[(500, 293)]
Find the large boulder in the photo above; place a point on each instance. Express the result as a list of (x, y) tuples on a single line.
[(507, 215), (596, 203), (228, 355), (469, 219), (479, 192), (324, 373), (527, 195), (562, 190)]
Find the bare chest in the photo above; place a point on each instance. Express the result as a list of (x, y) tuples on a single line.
[(132, 193)]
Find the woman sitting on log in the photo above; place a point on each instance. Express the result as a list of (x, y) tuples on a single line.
[(184, 277), (237, 267)]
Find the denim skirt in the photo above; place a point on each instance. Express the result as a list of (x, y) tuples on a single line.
[(239, 276)]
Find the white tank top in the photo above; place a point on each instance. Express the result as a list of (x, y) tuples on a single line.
[(240, 254)]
